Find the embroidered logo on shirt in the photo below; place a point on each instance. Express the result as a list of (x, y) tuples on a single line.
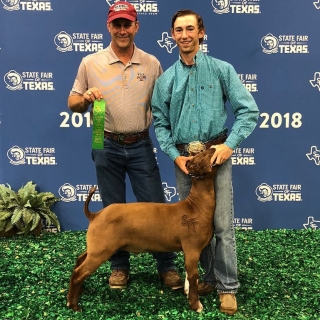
[(141, 76)]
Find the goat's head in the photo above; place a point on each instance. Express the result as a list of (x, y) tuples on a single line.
[(200, 164)]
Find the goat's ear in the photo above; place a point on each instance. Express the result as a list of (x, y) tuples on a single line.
[(211, 151), (208, 157), (207, 163)]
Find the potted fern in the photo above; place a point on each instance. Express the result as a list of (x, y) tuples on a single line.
[(22, 212)]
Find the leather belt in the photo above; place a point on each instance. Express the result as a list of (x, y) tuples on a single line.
[(127, 138), (203, 145)]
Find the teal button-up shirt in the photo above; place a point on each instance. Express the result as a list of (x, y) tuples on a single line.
[(188, 104)]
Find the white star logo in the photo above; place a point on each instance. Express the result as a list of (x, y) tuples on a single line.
[(312, 224), (167, 42), (316, 81)]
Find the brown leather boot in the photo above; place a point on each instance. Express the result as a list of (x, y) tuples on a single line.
[(118, 279), (228, 303), (171, 279), (205, 288)]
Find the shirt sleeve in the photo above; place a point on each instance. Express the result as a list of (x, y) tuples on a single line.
[(81, 82), (243, 106), (160, 104)]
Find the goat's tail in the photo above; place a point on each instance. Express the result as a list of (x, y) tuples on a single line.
[(89, 214)]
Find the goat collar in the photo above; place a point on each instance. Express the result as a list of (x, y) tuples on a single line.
[(201, 176)]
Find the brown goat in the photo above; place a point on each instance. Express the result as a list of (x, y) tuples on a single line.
[(153, 227)]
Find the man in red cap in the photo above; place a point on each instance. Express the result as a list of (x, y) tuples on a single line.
[(124, 77)]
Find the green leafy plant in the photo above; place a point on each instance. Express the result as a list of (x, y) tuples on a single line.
[(23, 210)]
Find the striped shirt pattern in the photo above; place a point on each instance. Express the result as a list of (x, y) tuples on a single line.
[(127, 89)]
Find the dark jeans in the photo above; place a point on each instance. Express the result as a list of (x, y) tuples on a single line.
[(138, 161)]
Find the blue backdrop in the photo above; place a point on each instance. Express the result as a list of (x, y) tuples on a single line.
[(274, 46)]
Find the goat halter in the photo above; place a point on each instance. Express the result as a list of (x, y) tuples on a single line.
[(201, 176)]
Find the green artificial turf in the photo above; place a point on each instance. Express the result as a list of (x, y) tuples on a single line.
[(279, 272)]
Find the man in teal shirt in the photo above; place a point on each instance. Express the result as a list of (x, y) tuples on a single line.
[(188, 105)]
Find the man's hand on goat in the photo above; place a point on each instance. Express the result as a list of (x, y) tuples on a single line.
[(222, 154), (181, 163)]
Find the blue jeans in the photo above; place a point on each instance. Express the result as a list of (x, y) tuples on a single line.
[(218, 258), (138, 161)]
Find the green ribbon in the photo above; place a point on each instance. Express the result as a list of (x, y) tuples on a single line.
[(99, 110)]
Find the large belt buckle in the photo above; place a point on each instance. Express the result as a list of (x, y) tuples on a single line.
[(120, 137), (195, 147)]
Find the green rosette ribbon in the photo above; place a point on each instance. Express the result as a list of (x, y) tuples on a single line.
[(99, 110)]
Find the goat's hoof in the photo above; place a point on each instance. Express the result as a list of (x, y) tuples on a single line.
[(74, 307), (200, 307)]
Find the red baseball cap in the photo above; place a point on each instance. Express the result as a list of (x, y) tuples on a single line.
[(122, 9)]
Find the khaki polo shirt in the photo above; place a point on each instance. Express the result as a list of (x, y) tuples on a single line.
[(127, 89)]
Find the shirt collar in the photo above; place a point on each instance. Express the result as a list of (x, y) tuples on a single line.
[(196, 59), (136, 57)]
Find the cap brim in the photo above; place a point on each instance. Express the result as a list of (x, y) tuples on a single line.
[(121, 16)]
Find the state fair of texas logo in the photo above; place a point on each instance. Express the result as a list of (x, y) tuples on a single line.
[(220, 6), (285, 44), (315, 82), (11, 5), (143, 7), (167, 42), (63, 41), (317, 4), (29, 5), (169, 192), (312, 224), (314, 155), (236, 6), (264, 192), (269, 44), (68, 192), (13, 80), (112, 2), (16, 155)]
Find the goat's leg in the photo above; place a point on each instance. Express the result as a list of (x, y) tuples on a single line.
[(186, 285), (191, 264), (88, 266), (80, 259)]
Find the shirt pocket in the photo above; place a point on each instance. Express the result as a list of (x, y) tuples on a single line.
[(211, 95)]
